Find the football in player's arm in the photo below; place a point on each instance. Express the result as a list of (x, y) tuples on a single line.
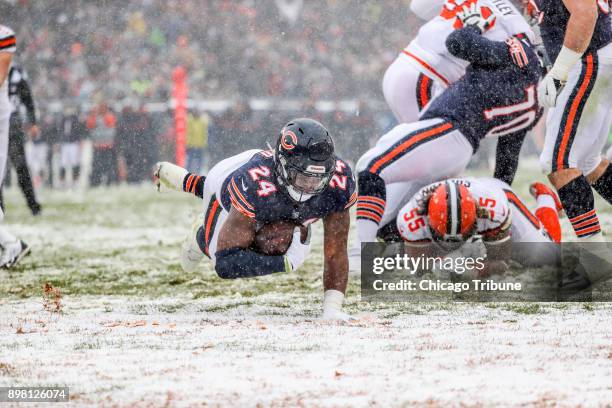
[(259, 206), (234, 254)]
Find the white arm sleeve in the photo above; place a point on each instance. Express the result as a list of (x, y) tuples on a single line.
[(426, 9)]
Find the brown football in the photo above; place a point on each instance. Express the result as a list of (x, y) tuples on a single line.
[(274, 239)]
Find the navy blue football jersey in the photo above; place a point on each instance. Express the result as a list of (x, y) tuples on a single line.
[(254, 191), (498, 94), (554, 17)]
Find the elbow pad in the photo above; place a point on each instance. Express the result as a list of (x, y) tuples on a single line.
[(236, 263)]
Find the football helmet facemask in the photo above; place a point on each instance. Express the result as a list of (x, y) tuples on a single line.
[(304, 158)]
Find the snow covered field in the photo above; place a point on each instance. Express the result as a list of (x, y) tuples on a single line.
[(134, 330)]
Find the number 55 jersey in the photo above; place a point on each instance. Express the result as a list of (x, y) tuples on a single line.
[(499, 209)]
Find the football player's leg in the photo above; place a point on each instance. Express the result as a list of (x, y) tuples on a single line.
[(547, 210), (4, 144), (398, 194), (13, 248), (601, 177), (201, 240), (421, 152), (535, 246), (569, 144), (406, 90), (172, 177)]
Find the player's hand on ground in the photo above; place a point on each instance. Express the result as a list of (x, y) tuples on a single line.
[(298, 251), (332, 307), (549, 89), (471, 15)]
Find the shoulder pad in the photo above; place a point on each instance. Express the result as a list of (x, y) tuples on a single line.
[(343, 185)]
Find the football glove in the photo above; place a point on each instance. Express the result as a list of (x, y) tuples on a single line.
[(298, 251), (471, 16), (552, 84), (549, 89)]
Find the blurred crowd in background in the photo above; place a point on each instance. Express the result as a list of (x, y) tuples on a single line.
[(101, 76), (102, 64)]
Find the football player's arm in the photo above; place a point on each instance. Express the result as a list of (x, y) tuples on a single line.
[(234, 258), (580, 28), (498, 243), (581, 24), (468, 44), (336, 265), (507, 156), (5, 64)]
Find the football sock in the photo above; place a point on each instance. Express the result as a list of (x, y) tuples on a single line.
[(548, 216), (194, 184), (579, 204), (371, 203), (603, 185)]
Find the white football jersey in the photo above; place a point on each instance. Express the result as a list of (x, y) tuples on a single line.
[(428, 52), (487, 192), (7, 44)]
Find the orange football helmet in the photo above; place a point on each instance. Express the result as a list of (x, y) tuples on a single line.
[(452, 213)]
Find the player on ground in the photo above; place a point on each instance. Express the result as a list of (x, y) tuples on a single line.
[(426, 67), (300, 182), (13, 249), (496, 98), (578, 37), (454, 211)]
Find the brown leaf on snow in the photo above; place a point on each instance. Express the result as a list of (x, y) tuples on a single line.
[(52, 298), (137, 323), (338, 374)]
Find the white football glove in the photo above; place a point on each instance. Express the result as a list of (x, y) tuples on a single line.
[(551, 86), (298, 251), (332, 307), (169, 176), (549, 89), (472, 16)]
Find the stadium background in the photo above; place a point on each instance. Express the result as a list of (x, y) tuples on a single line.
[(252, 65)]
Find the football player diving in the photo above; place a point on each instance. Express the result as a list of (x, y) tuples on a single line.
[(259, 205)]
